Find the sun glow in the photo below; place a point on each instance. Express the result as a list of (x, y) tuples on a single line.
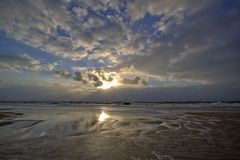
[(107, 85)]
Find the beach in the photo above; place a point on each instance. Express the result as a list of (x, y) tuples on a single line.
[(143, 131)]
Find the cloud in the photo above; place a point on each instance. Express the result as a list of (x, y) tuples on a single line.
[(24, 63), (50, 67), (135, 81), (94, 22), (92, 77), (168, 41), (19, 62), (63, 73), (101, 73), (68, 33), (79, 77), (73, 33), (106, 55), (96, 77), (80, 12), (138, 8), (37, 24), (202, 49)]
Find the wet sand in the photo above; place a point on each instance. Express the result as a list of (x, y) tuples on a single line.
[(220, 114), (129, 132)]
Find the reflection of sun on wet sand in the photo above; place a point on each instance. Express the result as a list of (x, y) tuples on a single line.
[(102, 117)]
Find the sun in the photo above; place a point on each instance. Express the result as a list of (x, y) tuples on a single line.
[(108, 85)]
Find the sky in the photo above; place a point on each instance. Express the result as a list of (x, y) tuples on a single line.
[(126, 50)]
